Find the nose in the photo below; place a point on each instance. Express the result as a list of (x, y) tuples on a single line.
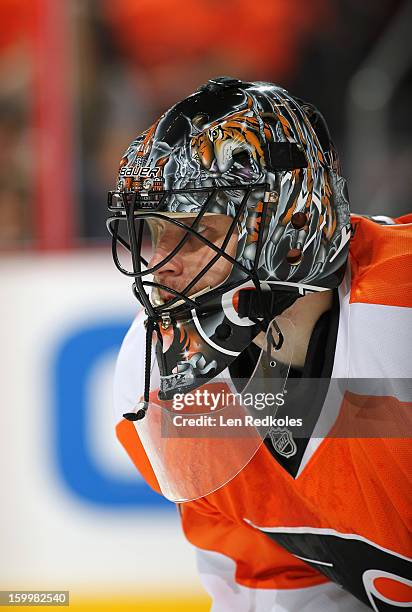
[(173, 267)]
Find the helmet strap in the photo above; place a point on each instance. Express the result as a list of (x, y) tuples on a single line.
[(267, 303)]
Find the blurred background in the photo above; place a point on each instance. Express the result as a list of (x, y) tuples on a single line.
[(78, 80)]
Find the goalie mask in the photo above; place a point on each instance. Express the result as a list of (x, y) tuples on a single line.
[(229, 208)]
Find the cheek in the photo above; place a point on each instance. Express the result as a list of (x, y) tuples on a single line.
[(221, 268), (224, 268), (196, 257), (230, 250)]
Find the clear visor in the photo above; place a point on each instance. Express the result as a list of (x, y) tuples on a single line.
[(199, 441)]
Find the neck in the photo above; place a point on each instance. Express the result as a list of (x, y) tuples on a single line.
[(303, 314)]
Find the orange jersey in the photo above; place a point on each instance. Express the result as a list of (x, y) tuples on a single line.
[(270, 540)]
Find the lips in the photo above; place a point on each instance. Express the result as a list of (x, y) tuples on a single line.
[(166, 295), (161, 295), (158, 296)]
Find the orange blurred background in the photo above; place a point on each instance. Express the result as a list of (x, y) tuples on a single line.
[(80, 78)]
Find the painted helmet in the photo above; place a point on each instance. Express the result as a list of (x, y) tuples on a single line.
[(263, 160)]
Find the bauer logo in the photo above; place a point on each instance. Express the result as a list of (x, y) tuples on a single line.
[(74, 365), (142, 171)]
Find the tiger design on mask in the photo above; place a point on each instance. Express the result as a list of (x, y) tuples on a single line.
[(216, 146)]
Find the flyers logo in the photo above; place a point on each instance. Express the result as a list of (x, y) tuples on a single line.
[(377, 576), (387, 591)]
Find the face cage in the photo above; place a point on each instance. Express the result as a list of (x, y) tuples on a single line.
[(134, 208)]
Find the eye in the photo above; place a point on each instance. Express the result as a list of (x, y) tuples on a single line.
[(214, 134)]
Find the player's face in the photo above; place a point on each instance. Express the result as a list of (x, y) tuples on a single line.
[(193, 255)]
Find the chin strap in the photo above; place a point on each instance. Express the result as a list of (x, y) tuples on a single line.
[(142, 407)]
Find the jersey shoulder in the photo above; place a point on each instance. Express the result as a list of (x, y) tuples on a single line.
[(380, 258)]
